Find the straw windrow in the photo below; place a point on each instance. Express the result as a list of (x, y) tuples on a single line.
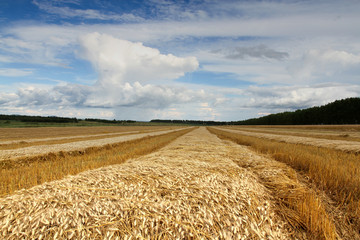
[(191, 189), (327, 204), (342, 145)]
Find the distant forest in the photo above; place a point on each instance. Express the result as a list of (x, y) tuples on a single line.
[(23, 118), (189, 122), (345, 111), (54, 119)]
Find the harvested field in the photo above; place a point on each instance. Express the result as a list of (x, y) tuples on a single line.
[(331, 132), (320, 139), (26, 172), (31, 136), (54, 140), (72, 146), (333, 173), (197, 187), (26, 134)]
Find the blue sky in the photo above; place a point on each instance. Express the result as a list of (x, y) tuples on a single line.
[(205, 60)]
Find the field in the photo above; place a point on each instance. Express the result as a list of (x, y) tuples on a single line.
[(80, 123), (162, 182)]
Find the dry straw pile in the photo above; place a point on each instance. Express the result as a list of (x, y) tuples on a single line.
[(37, 137), (31, 171), (11, 154), (330, 132), (41, 133), (342, 145), (191, 189), (332, 174)]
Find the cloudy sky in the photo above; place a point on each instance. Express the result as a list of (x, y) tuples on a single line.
[(192, 59)]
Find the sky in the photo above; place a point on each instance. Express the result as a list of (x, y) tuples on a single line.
[(161, 59)]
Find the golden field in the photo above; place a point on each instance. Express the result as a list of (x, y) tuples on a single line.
[(332, 172), (29, 169), (183, 183), (344, 138), (18, 134)]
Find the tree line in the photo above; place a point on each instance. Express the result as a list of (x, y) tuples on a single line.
[(24, 118), (189, 122), (345, 111), (54, 119), (109, 121)]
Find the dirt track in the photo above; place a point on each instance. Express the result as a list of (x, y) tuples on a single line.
[(72, 146), (194, 187), (347, 146)]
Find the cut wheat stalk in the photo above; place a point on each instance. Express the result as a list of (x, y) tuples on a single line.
[(191, 189), (28, 172), (334, 172)]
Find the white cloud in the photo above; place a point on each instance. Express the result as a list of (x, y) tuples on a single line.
[(259, 51), (15, 72), (120, 61), (126, 70), (325, 63), (317, 42), (32, 96), (263, 114), (80, 96), (48, 43), (67, 12), (145, 96), (44, 50), (206, 112), (170, 113), (7, 98), (127, 73), (297, 97)]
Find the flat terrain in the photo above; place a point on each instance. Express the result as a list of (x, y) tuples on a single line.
[(71, 141), (344, 138), (191, 188), (31, 134), (198, 186)]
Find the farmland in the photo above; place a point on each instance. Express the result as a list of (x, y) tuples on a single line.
[(168, 182)]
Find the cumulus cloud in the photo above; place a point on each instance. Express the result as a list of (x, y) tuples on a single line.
[(128, 75), (260, 51), (7, 98), (126, 70), (81, 96), (119, 61), (45, 96), (297, 97), (324, 63), (146, 96), (133, 76)]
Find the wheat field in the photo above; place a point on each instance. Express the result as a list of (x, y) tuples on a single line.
[(189, 184), (334, 173), (348, 141), (43, 165)]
